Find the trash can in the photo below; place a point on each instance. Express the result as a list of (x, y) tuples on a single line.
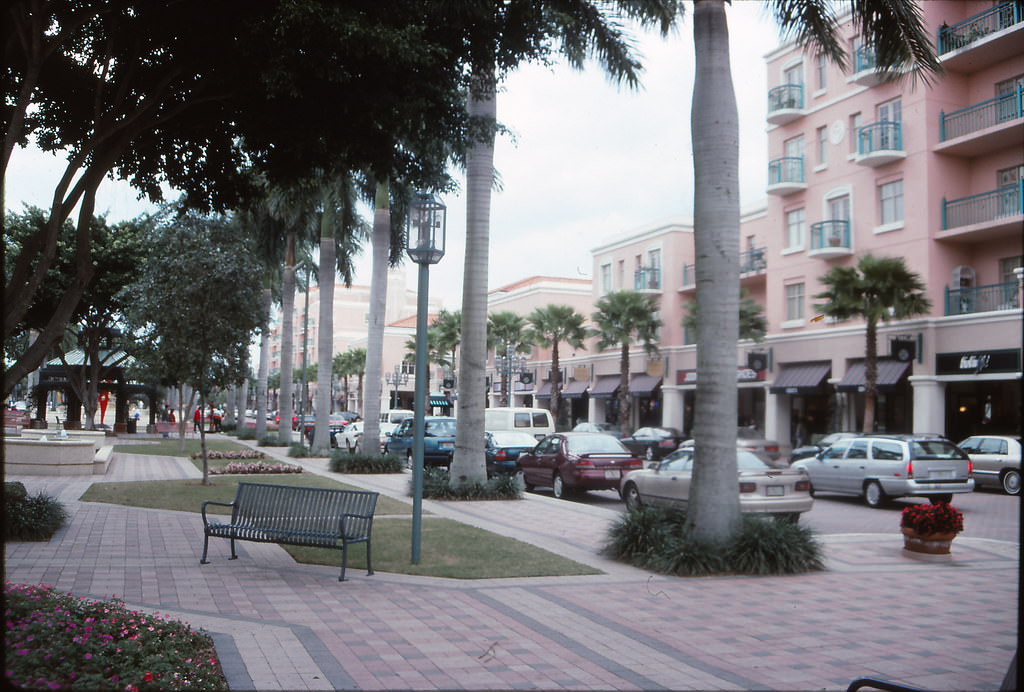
[(132, 426)]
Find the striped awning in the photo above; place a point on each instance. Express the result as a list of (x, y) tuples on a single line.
[(575, 389), (800, 378), (439, 400), (890, 372), (605, 387)]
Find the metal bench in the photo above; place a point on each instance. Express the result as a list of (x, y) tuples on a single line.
[(285, 514)]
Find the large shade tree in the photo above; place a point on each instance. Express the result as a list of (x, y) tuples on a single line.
[(894, 29), (500, 36), (551, 326), (877, 289), (622, 318)]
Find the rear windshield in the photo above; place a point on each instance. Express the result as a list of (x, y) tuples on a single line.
[(937, 449), (440, 428), (595, 443)]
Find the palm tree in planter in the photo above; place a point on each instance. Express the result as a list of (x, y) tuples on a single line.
[(877, 289), (894, 30), (623, 318), (550, 326)]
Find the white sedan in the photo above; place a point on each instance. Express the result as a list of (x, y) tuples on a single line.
[(763, 489), (995, 460)]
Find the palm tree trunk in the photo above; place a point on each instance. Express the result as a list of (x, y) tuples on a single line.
[(556, 381), (468, 464), (325, 331), (713, 512), (870, 374), (264, 368), (378, 308), (625, 417), (284, 431)]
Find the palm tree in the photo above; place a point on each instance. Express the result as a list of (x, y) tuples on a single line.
[(550, 326), (622, 318), (752, 323), (506, 334), (895, 30), (501, 36), (877, 289)]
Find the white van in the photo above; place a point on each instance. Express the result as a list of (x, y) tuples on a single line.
[(535, 421), (395, 415)]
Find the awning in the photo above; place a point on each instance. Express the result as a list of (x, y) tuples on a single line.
[(800, 378), (544, 391), (644, 385), (890, 372), (439, 400), (605, 387), (575, 389)]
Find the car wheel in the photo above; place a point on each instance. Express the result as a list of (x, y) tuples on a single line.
[(558, 487), (937, 499), (649, 454), (874, 495), (1011, 482), (631, 496)]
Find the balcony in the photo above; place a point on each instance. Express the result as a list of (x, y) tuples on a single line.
[(647, 279), (753, 262), (786, 175), (985, 127), (964, 301), (983, 40), (785, 104), (989, 215), (689, 277), (864, 67), (880, 143), (830, 239)]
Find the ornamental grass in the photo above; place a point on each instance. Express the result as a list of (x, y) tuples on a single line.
[(503, 486), (56, 641)]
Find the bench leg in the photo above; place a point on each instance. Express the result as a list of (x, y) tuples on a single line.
[(369, 563), (344, 560), (206, 545), (234, 556)]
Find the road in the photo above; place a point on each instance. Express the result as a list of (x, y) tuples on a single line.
[(987, 513)]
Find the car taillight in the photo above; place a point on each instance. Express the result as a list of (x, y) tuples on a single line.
[(666, 443), (970, 468), (802, 485), (636, 464), (584, 462), (772, 448), (747, 487), (500, 456), (910, 469)]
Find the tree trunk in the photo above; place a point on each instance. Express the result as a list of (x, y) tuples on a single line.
[(325, 334), (264, 368), (625, 410), (468, 463), (556, 380), (287, 408), (378, 309), (870, 374), (713, 512)]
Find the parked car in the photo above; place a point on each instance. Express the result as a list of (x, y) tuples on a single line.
[(349, 437), (878, 467), (763, 489), (394, 416), (535, 421), (576, 461), (438, 440), (336, 423), (503, 447), (751, 439), (606, 428), (815, 448), (653, 443), (996, 460)]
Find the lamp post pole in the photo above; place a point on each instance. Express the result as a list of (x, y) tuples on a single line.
[(425, 239)]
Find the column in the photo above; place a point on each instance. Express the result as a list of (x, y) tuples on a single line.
[(929, 404), (776, 418), (672, 408)]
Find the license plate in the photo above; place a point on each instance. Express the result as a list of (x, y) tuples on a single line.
[(446, 445), (612, 473), (774, 490), (942, 475)]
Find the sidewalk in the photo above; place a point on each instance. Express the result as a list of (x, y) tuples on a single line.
[(281, 625)]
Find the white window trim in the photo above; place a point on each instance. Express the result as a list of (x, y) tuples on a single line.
[(792, 250), (888, 227), (820, 167), (791, 324)]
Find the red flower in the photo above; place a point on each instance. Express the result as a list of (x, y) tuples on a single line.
[(938, 518), (147, 677)]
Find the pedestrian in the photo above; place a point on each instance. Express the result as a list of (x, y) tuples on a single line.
[(197, 419)]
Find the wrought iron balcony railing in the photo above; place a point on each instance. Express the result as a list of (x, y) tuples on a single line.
[(788, 169), (647, 279), (834, 233), (979, 26), (786, 97), (984, 207), (982, 115), (964, 301), (881, 136)]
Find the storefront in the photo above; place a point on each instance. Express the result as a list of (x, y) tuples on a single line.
[(750, 398), (805, 402), (982, 391), (604, 404), (646, 393), (894, 411)]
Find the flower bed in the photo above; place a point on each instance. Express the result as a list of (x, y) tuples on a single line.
[(54, 640), (939, 518), (236, 454), (255, 467)]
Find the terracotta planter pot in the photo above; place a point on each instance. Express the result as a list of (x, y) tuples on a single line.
[(929, 543)]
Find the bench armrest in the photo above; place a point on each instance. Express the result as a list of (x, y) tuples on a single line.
[(368, 518), (212, 502)]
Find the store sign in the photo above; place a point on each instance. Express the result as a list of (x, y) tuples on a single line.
[(743, 374), (977, 362)]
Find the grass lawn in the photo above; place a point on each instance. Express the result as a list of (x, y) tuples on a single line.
[(448, 548), (170, 446)]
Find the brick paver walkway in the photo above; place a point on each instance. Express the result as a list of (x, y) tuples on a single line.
[(282, 625)]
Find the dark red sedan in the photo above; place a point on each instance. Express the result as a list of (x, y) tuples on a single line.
[(576, 461)]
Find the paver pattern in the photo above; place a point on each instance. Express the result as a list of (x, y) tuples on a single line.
[(280, 625)]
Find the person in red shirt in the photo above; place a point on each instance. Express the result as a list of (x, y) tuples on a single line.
[(197, 419)]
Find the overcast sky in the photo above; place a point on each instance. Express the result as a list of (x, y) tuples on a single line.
[(589, 160)]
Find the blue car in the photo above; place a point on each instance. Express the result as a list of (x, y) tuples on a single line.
[(502, 449), (438, 441)]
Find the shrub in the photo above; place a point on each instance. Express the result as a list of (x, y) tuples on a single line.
[(343, 462), (271, 440), (30, 517), (246, 433), (298, 450), (656, 538), (57, 641), (501, 487), (254, 467)]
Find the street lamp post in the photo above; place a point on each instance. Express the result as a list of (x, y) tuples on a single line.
[(395, 379), (508, 366), (424, 241)]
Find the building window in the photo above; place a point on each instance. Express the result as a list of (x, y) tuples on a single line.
[(890, 202), (821, 71), (855, 122), (1006, 269), (606, 278), (838, 208), (822, 138), (793, 75), (1009, 177), (794, 302), (795, 229), (890, 111)]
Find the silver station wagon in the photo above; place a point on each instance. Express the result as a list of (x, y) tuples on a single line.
[(879, 467)]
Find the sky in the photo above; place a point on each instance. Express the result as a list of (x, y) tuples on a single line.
[(587, 160)]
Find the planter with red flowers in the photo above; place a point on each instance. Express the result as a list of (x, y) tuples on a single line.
[(930, 529)]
